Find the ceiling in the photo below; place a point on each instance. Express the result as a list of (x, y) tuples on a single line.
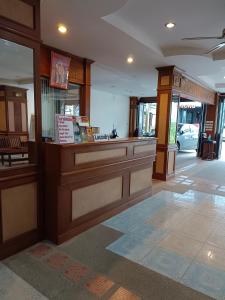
[(107, 31), (16, 63)]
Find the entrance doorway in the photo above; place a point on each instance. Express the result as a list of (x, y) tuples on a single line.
[(190, 118)]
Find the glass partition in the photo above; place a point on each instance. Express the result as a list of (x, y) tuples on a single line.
[(56, 101), (17, 109)]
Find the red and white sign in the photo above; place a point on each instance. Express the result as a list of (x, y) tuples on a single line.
[(64, 129)]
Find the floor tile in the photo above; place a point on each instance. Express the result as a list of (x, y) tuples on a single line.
[(123, 294), (76, 272), (197, 227), (13, 287), (166, 263), (40, 250), (212, 256), (130, 247), (99, 285), (217, 239), (181, 245), (57, 260), (205, 279)]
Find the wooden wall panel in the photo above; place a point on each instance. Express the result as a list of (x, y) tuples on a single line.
[(162, 118), (17, 11), (140, 180), (19, 210), (92, 197)]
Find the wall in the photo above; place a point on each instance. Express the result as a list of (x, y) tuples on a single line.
[(108, 109)]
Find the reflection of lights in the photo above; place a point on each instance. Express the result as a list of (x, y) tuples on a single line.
[(130, 60), (62, 28), (210, 254)]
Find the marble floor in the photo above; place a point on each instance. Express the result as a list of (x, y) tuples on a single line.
[(181, 236)]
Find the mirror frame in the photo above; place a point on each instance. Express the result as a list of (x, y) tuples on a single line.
[(35, 46)]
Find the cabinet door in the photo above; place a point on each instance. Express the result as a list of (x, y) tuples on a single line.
[(3, 126), (17, 116), (23, 109), (11, 116)]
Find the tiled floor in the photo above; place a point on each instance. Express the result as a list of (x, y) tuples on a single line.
[(181, 236), (170, 246)]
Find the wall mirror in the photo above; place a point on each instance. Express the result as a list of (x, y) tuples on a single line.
[(17, 105)]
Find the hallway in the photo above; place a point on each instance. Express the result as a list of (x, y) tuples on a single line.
[(169, 246)]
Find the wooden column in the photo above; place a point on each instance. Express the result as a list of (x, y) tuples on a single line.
[(133, 115), (165, 159)]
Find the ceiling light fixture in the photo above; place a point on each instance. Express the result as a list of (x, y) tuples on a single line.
[(130, 60), (62, 28), (170, 25)]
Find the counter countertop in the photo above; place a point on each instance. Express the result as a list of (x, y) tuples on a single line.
[(111, 141)]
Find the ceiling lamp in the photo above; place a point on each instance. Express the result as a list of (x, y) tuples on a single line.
[(170, 25), (130, 60), (62, 28)]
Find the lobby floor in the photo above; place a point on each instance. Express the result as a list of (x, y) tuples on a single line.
[(169, 246)]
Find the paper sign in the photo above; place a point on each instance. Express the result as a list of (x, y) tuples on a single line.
[(64, 129)]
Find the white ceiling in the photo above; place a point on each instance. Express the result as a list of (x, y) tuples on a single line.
[(107, 31)]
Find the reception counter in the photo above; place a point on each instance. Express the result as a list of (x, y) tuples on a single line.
[(89, 182)]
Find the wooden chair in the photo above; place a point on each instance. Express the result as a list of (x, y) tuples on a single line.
[(12, 145)]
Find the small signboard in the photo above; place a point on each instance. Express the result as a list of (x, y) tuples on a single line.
[(64, 129)]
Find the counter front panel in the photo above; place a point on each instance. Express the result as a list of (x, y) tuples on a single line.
[(87, 183)]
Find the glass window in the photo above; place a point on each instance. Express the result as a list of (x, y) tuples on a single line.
[(17, 109), (56, 101)]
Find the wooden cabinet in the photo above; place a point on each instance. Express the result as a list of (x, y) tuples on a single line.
[(13, 111)]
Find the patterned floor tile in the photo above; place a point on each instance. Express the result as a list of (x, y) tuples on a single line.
[(76, 272), (205, 279), (57, 260), (40, 250), (99, 285), (123, 294)]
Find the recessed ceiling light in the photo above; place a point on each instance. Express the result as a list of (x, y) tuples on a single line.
[(224, 77), (130, 60), (62, 28), (170, 25)]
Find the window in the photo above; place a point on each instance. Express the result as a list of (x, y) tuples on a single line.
[(56, 101)]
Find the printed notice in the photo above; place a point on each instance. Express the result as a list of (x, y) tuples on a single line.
[(64, 129)]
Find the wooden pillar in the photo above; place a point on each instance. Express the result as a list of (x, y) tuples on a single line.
[(86, 89), (133, 115), (166, 152)]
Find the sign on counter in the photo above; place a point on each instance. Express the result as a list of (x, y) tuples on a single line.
[(64, 129)]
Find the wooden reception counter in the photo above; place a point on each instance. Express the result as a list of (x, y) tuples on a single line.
[(87, 183)]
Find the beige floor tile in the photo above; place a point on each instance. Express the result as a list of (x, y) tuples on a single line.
[(212, 256), (197, 227), (182, 245), (217, 240)]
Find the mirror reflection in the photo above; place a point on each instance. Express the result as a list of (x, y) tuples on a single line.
[(17, 122)]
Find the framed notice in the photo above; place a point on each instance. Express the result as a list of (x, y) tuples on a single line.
[(64, 129), (59, 71)]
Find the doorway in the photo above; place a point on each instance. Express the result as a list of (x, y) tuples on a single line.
[(190, 119)]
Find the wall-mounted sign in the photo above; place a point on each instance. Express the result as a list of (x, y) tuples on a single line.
[(64, 129), (59, 71)]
